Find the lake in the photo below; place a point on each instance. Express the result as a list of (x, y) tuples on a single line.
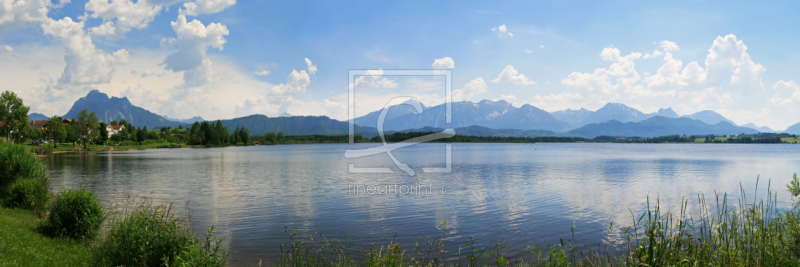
[(513, 194)]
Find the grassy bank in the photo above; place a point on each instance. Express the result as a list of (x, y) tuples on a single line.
[(39, 228), (23, 244)]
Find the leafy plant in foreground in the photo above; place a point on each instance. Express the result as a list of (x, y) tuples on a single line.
[(76, 214), (148, 235)]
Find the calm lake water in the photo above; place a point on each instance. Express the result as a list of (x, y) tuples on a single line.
[(514, 194)]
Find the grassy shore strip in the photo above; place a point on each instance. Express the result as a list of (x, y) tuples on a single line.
[(68, 148), (38, 228), (23, 244)]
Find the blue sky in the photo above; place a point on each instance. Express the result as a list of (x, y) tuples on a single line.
[(222, 58)]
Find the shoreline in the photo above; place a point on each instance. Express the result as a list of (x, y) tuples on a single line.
[(73, 151)]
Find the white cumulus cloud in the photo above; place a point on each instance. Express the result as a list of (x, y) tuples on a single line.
[(786, 93), (668, 74), (502, 31), (199, 7), (86, 64), (443, 63), (295, 83), (622, 68), (469, 90), (193, 39), (15, 13), (728, 62), (511, 75), (311, 67), (374, 79), (669, 46), (262, 73), (121, 16)]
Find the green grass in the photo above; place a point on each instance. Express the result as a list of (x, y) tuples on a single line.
[(22, 244), (142, 234), (72, 148)]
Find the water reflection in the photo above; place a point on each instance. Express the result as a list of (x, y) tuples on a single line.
[(517, 194)]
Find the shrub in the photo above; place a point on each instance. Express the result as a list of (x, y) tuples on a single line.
[(18, 162), (169, 146), (29, 193), (76, 214), (148, 235)]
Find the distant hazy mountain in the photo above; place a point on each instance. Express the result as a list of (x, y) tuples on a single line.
[(492, 114), (371, 119), (285, 115), (37, 117), (572, 116), (483, 131), (114, 108), (659, 126), (666, 112), (615, 111), (794, 129), (763, 129), (187, 121), (709, 117), (296, 125), (611, 111)]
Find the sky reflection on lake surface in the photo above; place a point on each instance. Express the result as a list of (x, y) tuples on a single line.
[(515, 194)]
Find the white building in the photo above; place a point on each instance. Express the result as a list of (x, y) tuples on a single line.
[(114, 129)]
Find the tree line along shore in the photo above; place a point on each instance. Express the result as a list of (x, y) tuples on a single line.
[(87, 133)]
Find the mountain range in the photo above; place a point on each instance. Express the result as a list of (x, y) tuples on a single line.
[(659, 126), (116, 109), (296, 125), (763, 129), (611, 111), (483, 118), (502, 115), (492, 114), (189, 121), (37, 117), (794, 129)]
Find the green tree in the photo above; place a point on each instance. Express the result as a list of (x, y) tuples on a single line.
[(113, 122), (71, 133), (13, 115), (33, 133), (56, 130), (87, 126), (103, 133), (221, 134), (141, 134), (244, 136), (271, 138)]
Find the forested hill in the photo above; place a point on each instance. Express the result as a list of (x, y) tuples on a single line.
[(296, 125), (659, 126)]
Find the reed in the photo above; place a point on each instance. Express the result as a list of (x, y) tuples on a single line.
[(143, 234), (750, 232)]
